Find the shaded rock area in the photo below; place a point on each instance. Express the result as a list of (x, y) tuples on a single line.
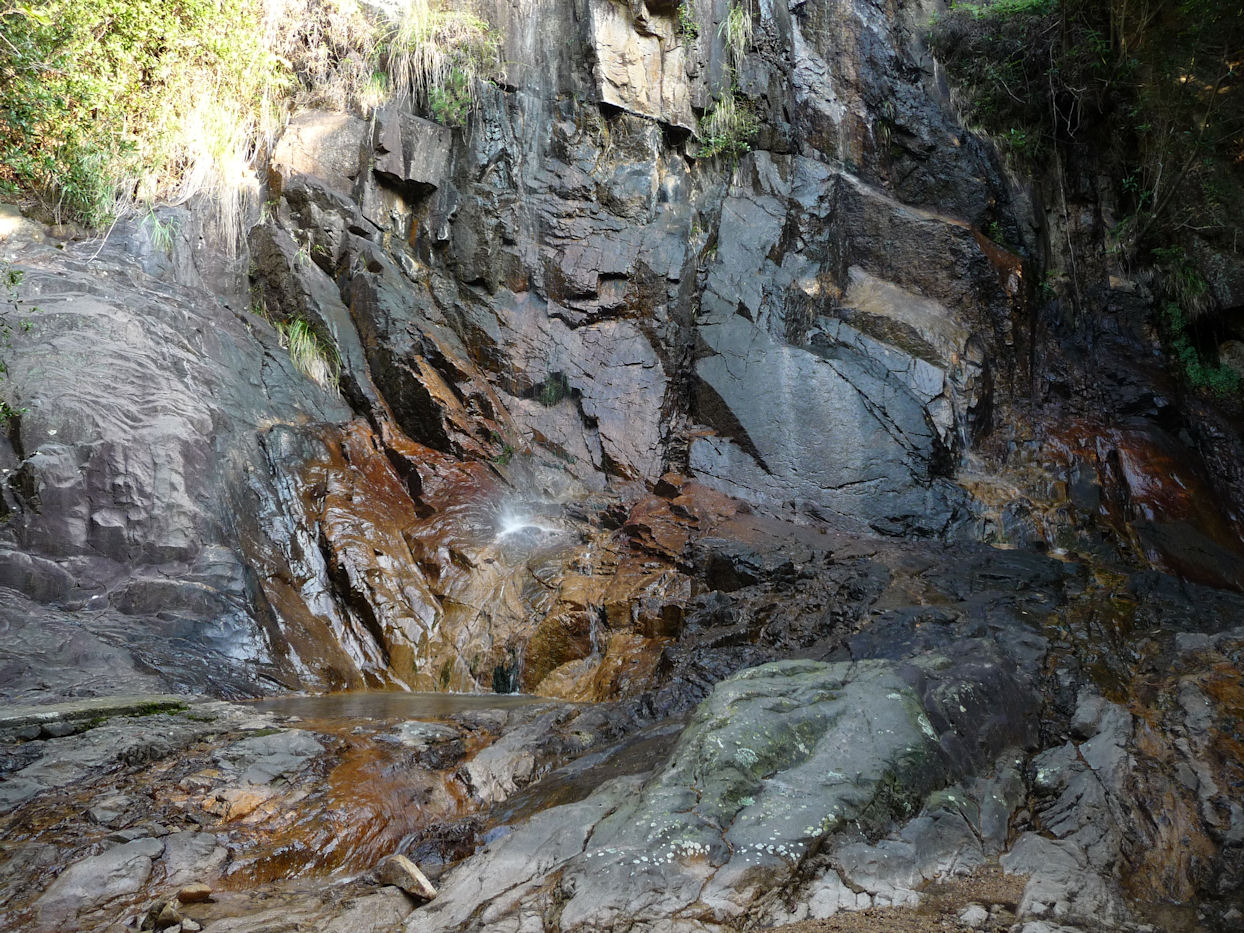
[(832, 566), (968, 717)]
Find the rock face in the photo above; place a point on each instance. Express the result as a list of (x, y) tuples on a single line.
[(532, 329), (622, 424), (631, 313), (640, 61), (890, 410), (140, 399)]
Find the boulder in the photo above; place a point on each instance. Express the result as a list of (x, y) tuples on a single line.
[(327, 145), (97, 879), (775, 764), (195, 893)]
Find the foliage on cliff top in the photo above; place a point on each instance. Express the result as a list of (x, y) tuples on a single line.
[(114, 103), (129, 100), (434, 54), (1146, 93), (1156, 86)]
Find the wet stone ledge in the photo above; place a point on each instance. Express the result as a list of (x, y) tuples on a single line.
[(55, 720)]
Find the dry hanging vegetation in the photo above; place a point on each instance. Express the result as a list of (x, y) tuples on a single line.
[(111, 105), (730, 125)]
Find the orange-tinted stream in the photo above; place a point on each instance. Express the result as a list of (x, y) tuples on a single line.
[(373, 800)]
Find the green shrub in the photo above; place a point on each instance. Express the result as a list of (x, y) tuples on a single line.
[(1212, 378), (110, 104), (688, 27), (451, 102), (1003, 55), (1180, 280), (1187, 298), (1148, 93), (1152, 91), (999, 8), (107, 101)]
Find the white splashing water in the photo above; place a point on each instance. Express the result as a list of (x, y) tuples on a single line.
[(513, 522)]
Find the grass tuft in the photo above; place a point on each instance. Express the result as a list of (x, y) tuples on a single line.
[(731, 124), (438, 57), (736, 33), (312, 357), (728, 129), (160, 233)]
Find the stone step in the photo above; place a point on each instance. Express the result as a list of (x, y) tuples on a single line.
[(55, 719)]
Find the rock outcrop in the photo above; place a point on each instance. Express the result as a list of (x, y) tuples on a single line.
[(619, 423)]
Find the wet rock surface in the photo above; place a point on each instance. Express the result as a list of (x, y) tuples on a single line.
[(532, 332), (221, 803), (775, 760), (944, 733), (832, 566)]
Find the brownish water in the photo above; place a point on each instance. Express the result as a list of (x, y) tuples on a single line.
[(389, 706), (377, 796)]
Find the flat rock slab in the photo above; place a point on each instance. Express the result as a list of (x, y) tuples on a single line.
[(119, 871), (16, 718)]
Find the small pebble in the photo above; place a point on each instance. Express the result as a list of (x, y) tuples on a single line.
[(196, 893)]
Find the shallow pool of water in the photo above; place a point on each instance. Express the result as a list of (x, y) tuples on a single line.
[(382, 705)]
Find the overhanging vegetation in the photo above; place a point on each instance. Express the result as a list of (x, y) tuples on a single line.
[(110, 105)]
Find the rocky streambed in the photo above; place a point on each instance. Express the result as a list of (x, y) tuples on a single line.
[(979, 717)]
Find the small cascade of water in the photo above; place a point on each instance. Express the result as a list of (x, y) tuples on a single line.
[(594, 632), (527, 515), (514, 522), (595, 612)]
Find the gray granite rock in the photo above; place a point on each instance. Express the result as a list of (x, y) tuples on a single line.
[(264, 759), (327, 145), (191, 856), (412, 154), (97, 879), (778, 762)]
